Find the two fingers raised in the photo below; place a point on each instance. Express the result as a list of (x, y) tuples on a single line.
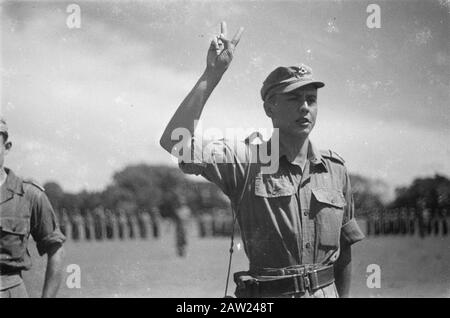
[(223, 35)]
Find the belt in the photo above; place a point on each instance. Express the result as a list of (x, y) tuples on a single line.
[(10, 280), (277, 285), (291, 270), (6, 271)]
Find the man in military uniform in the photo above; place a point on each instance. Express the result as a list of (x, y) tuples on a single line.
[(25, 210), (297, 223), (181, 219)]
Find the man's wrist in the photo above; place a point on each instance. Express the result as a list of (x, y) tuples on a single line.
[(212, 75)]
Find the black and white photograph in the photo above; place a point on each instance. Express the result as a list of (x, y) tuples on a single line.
[(200, 149)]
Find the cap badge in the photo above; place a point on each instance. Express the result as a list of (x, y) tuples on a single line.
[(302, 70)]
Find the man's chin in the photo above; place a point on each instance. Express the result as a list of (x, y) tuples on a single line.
[(298, 133), (301, 131)]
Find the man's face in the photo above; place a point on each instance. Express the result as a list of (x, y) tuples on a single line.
[(294, 113), (4, 149)]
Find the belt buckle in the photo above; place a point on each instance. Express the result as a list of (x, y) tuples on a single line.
[(314, 279), (253, 286), (307, 282)]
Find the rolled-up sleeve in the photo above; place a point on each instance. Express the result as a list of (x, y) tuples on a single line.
[(44, 225), (350, 231), (218, 161)]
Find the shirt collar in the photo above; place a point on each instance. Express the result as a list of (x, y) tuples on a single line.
[(13, 183), (314, 156)]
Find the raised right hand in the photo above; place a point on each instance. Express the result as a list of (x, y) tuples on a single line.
[(220, 53)]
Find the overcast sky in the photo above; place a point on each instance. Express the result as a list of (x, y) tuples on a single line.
[(83, 103)]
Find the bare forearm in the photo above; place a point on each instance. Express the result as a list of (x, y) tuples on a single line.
[(190, 109), (53, 273), (342, 272)]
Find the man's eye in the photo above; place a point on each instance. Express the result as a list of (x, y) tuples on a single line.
[(311, 100)]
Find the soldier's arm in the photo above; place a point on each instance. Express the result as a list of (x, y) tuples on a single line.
[(219, 57), (54, 271), (350, 234), (48, 237), (343, 270)]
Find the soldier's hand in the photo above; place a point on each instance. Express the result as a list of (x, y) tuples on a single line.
[(220, 53)]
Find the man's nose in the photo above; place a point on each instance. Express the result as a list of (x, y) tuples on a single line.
[(303, 106)]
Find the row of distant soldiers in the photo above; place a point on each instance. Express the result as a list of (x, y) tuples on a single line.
[(406, 221), (383, 222), (218, 224), (103, 224)]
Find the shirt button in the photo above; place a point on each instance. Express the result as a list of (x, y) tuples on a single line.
[(308, 245), (305, 213)]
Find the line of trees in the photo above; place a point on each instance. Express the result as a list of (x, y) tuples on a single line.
[(431, 193), (140, 188)]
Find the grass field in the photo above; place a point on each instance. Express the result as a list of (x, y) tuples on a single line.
[(410, 267)]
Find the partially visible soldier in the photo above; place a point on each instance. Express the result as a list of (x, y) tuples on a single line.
[(121, 223), (371, 219), (78, 232), (100, 223), (403, 221), (435, 222), (110, 225), (132, 225), (384, 217), (396, 221), (444, 217), (391, 221), (438, 216), (427, 220), (143, 220), (204, 225), (155, 218), (65, 223), (378, 225), (89, 225), (24, 210), (368, 224), (182, 215), (412, 220), (422, 215)]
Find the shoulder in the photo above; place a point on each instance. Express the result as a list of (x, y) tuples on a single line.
[(336, 166), (332, 156), (32, 187), (33, 192), (217, 146), (228, 150)]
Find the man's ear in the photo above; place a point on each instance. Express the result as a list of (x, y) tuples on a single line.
[(268, 108), (8, 145)]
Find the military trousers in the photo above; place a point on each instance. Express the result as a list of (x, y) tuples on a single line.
[(18, 291)]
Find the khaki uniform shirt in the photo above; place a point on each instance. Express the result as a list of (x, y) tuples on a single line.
[(290, 217), (24, 210)]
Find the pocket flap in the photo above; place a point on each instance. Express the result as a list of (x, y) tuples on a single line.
[(272, 187), (14, 225), (331, 197)]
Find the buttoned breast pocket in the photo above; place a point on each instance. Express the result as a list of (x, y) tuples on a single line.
[(274, 187), (274, 192), (328, 208), (13, 237)]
